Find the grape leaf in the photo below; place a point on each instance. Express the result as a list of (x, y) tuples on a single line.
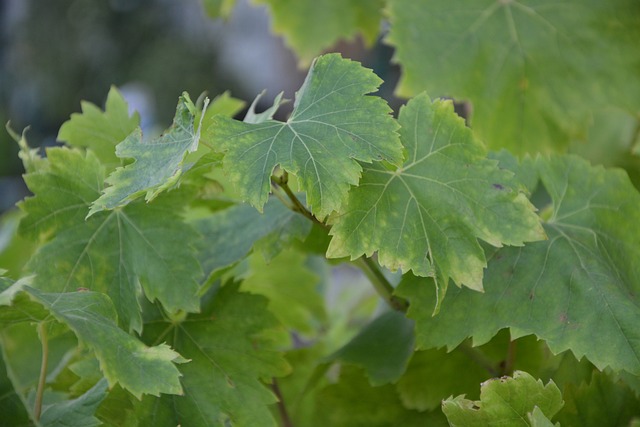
[(101, 131), (527, 66), (576, 290), (332, 126), (292, 290), (158, 163), (601, 402), (12, 408), (352, 402), (218, 8), (230, 234), (382, 348), (505, 401), (123, 359), (77, 412), (309, 27), (230, 352), (427, 215), (117, 252)]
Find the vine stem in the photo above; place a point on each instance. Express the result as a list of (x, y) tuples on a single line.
[(282, 408), (367, 265), (42, 331)]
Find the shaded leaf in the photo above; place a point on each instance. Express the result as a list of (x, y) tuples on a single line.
[(99, 130), (352, 402), (382, 348), (291, 288), (505, 401), (230, 234), (119, 252), (526, 66), (230, 352), (77, 412), (332, 126), (428, 215), (576, 291)]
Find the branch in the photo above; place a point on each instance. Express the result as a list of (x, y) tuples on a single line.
[(478, 357), (37, 410), (282, 408)]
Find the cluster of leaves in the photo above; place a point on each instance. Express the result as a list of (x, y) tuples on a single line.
[(202, 277)]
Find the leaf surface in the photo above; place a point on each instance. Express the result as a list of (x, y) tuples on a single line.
[(505, 401), (139, 247), (99, 130), (229, 353), (332, 126), (527, 66), (428, 214), (78, 412), (158, 163), (382, 348), (310, 27), (577, 290)]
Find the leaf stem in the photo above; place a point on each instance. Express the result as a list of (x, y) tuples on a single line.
[(282, 408), (367, 265), (42, 331), (381, 284), (478, 357)]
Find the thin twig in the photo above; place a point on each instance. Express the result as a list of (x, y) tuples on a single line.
[(478, 357), (282, 408), (37, 410), (507, 368)]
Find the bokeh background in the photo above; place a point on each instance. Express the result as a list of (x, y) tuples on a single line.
[(53, 54)]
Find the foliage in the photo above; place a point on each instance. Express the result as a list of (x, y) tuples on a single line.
[(223, 273)]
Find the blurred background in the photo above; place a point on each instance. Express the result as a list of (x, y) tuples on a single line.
[(53, 54)]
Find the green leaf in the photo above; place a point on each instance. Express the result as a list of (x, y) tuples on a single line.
[(382, 348), (101, 131), (526, 66), (538, 419), (599, 403), (230, 234), (14, 414), (119, 252), (77, 412), (158, 163), (433, 375), (123, 359), (31, 160), (505, 401), (428, 215), (310, 27), (332, 126), (230, 352), (576, 291), (218, 8), (352, 402), (291, 288)]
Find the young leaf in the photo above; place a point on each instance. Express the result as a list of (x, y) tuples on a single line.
[(526, 67), (383, 348), (113, 252), (158, 164), (101, 131), (428, 214), (332, 126), (309, 27), (505, 401), (576, 290), (230, 353)]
